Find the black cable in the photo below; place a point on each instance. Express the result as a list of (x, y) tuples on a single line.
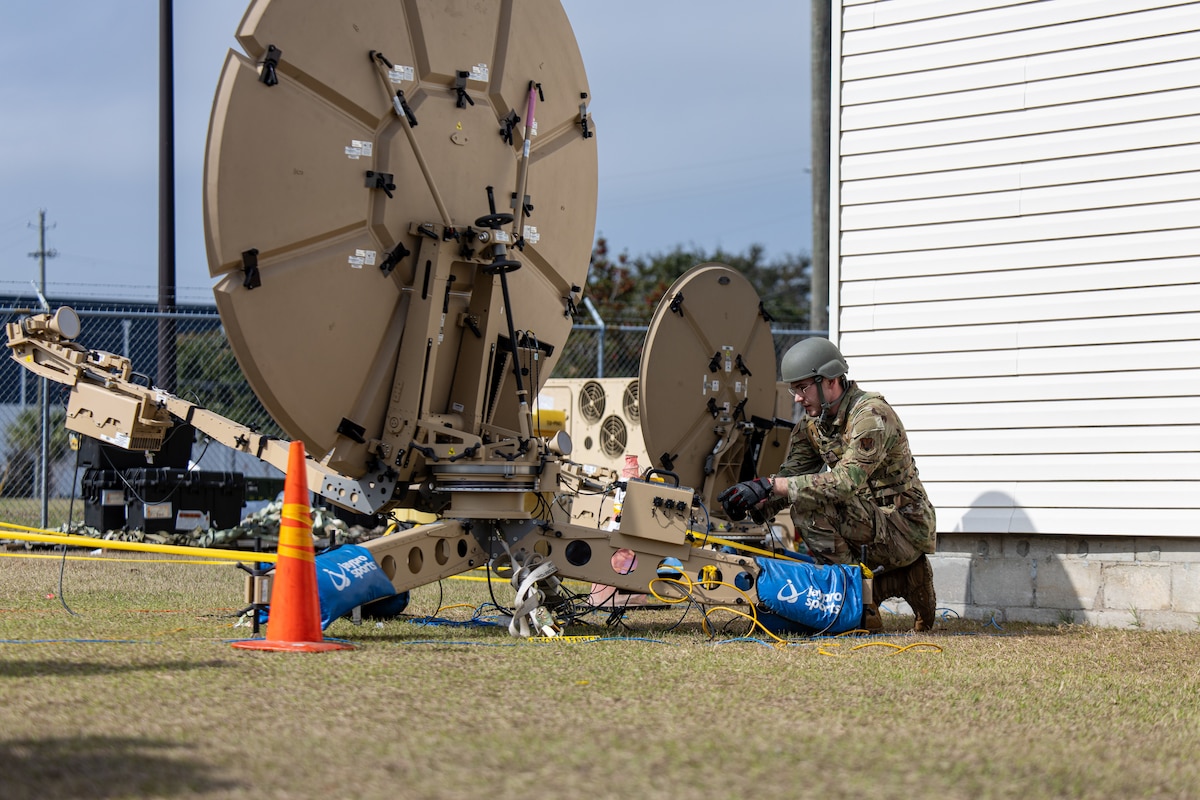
[(691, 602), (491, 591), (430, 617), (182, 480), (62, 565)]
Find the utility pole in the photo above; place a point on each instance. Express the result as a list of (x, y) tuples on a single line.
[(43, 479), (166, 197), (821, 42)]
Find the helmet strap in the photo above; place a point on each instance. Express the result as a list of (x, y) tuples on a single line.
[(825, 404), (827, 407)]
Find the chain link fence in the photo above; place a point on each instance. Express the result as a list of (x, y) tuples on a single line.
[(40, 470), (615, 351)]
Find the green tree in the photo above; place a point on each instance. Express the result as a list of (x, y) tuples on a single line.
[(625, 289)]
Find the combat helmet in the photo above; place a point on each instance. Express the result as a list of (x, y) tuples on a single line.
[(815, 357)]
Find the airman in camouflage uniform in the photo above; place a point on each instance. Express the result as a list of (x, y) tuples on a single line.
[(850, 480)]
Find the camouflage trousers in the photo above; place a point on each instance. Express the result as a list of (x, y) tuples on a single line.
[(846, 533)]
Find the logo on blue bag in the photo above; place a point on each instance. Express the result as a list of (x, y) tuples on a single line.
[(356, 567), (814, 598)]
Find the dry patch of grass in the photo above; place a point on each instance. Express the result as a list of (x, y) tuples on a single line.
[(138, 694)]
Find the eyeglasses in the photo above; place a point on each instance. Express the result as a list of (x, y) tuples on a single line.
[(800, 388)]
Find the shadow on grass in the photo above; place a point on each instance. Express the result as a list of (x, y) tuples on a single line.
[(102, 767), (42, 668)]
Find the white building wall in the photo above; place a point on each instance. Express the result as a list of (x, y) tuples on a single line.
[(1015, 256)]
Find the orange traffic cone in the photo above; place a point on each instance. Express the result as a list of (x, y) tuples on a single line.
[(295, 620)]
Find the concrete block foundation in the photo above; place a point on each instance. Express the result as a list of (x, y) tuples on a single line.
[(1122, 582)]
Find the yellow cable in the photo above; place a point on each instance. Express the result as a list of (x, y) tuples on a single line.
[(876, 644), (23, 533), (897, 649), (700, 540), (454, 605), (58, 556)]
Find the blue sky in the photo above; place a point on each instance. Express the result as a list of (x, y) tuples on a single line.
[(702, 117)]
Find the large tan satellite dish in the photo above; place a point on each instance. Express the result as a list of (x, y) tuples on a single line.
[(352, 153)]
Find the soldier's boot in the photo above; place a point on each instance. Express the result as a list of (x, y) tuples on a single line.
[(917, 590), (885, 585)]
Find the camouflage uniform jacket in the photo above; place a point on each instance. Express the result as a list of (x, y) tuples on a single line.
[(865, 448)]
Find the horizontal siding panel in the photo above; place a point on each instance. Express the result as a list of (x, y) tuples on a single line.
[(933, 83), (1130, 247), (1125, 192), (1184, 214), (1131, 302), (1160, 79), (966, 77), (875, 13), (1110, 444), (893, 31), (1021, 283), (1110, 357), (991, 205), (995, 106), (873, 122), (1019, 150), (1081, 522), (1034, 388), (1065, 494), (1053, 333), (857, 63), (1181, 43), (1025, 125), (1037, 414), (951, 184), (1038, 229), (1104, 358), (960, 185), (1080, 467)]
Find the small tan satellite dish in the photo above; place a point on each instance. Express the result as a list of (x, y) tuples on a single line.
[(708, 367)]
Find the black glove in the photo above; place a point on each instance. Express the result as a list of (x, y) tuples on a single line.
[(741, 497)]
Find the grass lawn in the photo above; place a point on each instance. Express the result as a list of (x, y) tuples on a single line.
[(136, 693)]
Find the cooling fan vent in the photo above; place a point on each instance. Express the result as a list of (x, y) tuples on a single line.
[(613, 437), (592, 402), (629, 403)]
